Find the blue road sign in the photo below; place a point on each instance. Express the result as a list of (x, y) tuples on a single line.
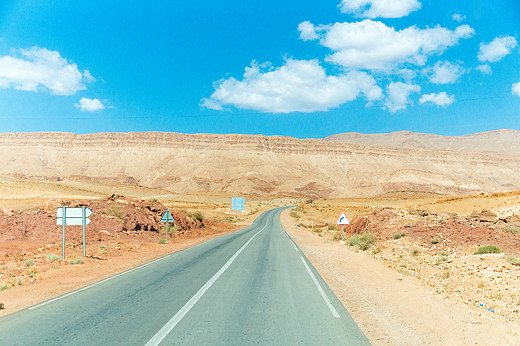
[(167, 216), (238, 203)]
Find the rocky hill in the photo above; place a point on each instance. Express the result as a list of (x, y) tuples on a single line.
[(258, 165), (506, 142)]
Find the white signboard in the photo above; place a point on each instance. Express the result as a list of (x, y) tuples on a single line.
[(74, 216), (342, 220)]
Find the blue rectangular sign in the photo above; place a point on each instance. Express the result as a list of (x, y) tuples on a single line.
[(238, 203)]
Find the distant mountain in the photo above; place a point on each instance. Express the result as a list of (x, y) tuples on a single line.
[(505, 142), (268, 166)]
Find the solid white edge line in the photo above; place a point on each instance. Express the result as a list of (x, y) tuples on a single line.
[(168, 327), (96, 283), (323, 295), (295, 248)]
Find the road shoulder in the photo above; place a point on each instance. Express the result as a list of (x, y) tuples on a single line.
[(391, 308)]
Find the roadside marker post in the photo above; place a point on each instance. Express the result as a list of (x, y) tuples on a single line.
[(72, 217), (342, 221), (167, 217)]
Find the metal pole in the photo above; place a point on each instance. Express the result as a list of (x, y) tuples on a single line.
[(64, 221), (166, 231), (342, 234), (83, 221)]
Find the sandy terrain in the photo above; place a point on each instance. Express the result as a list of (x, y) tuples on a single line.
[(409, 290), (255, 165), (399, 291)]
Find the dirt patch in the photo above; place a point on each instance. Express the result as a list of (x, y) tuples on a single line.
[(392, 308)]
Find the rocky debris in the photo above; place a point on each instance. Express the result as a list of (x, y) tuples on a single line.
[(483, 216), (110, 216), (476, 230), (51, 205), (2, 306)]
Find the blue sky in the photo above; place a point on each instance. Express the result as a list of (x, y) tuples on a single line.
[(295, 68)]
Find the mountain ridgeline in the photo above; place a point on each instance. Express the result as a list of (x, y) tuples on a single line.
[(274, 166)]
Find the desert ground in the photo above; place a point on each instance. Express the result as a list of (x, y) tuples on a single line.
[(432, 253), (420, 281), (421, 262)]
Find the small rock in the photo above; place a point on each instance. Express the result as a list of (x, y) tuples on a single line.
[(2, 306)]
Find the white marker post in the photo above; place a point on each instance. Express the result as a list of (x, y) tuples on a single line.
[(342, 221)]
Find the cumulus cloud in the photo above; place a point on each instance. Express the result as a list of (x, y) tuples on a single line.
[(441, 99), (444, 72), (297, 86), (398, 95), (89, 105), (496, 49), (42, 69), (516, 89), (307, 31), (485, 69), (373, 45), (458, 17), (379, 8)]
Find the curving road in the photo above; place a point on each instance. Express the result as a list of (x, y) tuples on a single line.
[(253, 286)]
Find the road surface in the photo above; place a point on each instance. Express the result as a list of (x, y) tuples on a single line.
[(253, 286)]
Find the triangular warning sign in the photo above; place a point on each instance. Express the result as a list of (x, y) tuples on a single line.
[(342, 220), (167, 217)]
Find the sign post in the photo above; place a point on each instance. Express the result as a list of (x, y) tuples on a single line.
[(72, 217), (167, 217), (63, 233), (342, 221)]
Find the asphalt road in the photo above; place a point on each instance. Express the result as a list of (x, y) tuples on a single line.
[(253, 286)]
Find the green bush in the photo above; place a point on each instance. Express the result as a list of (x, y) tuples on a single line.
[(76, 261), (197, 215), (435, 240), (114, 211), (29, 263), (32, 272), (162, 241), (487, 249), (52, 257), (513, 260), (294, 214), (364, 241), (399, 235)]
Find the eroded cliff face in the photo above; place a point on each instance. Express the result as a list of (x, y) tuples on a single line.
[(253, 164)]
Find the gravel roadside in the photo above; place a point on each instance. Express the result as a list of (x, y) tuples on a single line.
[(391, 308)]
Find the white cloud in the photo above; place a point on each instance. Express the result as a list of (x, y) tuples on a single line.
[(441, 99), (42, 69), (89, 105), (373, 45), (516, 89), (297, 86), (307, 31), (399, 95), (379, 8), (444, 72), (485, 69), (497, 49), (458, 17)]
